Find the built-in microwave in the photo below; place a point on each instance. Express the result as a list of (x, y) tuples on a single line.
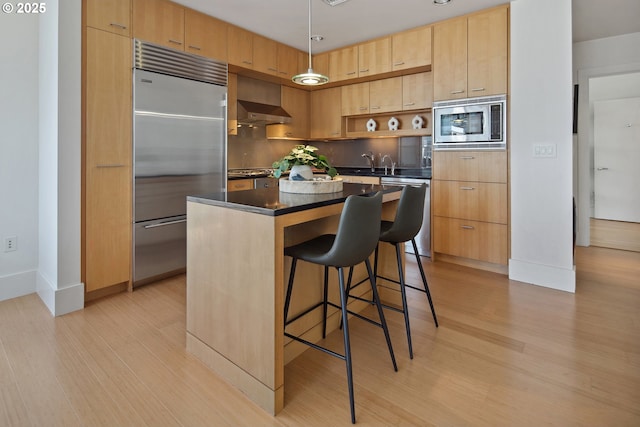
[(470, 123)]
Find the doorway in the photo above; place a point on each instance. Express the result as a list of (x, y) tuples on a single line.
[(615, 219)]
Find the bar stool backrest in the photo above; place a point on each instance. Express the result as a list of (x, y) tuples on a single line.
[(358, 231), (408, 218)]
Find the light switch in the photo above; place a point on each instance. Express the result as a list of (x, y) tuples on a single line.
[(544, 150)]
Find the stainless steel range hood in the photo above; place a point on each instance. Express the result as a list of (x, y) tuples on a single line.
[(259, 103)]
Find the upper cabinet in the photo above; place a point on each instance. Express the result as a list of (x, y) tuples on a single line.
[(290, 62), (343, 64), (205, 35), (488, 53), (374, 57), (325, 110), (160, 22), (297, 103), (109, 15), (470, 55), (240, 47), (410, 49), (417, 91), (265, 55)]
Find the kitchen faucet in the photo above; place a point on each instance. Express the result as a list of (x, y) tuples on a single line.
[(372, 159), (393, 165)]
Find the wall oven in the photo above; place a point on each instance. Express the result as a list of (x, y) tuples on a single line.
[(472, 123)]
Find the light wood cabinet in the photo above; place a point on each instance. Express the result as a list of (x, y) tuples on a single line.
[(325, 110), (107, 176), (297, 103), (355, 99), (343, 64), (289, 62), (240, 184), (374, 57), (239, 47), (265, 55), (109, 15), (488, 53), (470, 205), (411, 49), (417, 91), (320, 64), (160, 22), (385, 95), (205, 35), (232, 104), (470, 55), (450, 59)]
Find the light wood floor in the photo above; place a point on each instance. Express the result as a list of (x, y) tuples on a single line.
[(506, 354)]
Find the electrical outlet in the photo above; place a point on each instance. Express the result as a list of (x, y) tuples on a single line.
[(11, 244), (544, 150)]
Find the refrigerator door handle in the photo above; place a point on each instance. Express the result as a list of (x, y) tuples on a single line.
[(162, 224)]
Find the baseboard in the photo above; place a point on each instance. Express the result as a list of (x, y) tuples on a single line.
[(17, 285), (60, 301), (543, 275)]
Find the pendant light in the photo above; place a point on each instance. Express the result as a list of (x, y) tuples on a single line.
[(310, 78)]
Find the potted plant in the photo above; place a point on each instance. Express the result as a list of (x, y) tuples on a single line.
[(301, 159)]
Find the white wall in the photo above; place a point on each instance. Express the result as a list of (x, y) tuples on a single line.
[(18, 153), (40, 76), (541, 113), (58, 278), (611, 56)]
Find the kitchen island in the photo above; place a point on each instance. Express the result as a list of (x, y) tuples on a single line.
[(236, 280)]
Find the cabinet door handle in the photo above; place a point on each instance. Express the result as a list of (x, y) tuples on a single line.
[(350, 73), (365, 70), (467, 157), (111, 165), (363, 108), (163, 224), (395, 64), (244, 61), (478, 89), (453, 92), (375, 107), (194, 47), (409, 104), (178, 42), (272, 69), (468, 227), (603, 169), (467, 188), (118, 25)]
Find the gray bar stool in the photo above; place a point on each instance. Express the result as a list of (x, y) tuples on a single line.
[(353, 243), (405, 227)]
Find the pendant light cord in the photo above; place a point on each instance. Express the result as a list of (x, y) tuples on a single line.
[(310, 35)]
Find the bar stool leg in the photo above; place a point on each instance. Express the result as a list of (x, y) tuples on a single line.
[(424, 281), (287, 300), (383, 321), (403, 293), (324, 302), (347, 344)]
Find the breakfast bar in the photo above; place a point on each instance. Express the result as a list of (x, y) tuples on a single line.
[(236, 280)]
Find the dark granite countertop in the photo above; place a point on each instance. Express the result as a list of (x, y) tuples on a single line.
[(272, 202), (424, 173)]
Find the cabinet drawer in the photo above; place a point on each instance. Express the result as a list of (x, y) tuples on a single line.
[(240, 184), (487, 166), (478, 201), (481, 241)]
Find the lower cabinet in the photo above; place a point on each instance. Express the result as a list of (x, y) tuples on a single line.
[(482, 241), (470, 206), (240, 184)]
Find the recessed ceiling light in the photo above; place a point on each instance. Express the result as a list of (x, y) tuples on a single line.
[(334, 2), (439, 2)]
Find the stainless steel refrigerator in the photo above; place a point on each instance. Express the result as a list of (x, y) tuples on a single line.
[(179, 150)]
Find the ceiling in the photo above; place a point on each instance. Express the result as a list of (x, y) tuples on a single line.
[(286, 21)]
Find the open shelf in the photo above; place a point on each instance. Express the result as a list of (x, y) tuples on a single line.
[(356, 126)]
